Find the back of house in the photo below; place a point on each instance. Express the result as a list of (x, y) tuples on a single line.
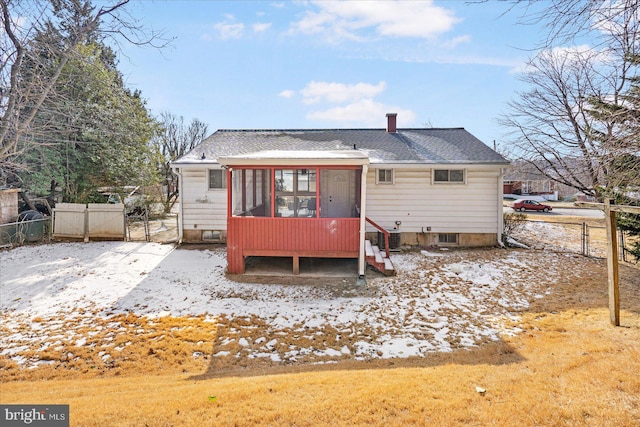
[(431, 186)]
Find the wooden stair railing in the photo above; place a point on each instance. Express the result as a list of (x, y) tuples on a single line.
[(384, 232)]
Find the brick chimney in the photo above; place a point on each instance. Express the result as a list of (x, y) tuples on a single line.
[(391, 122)]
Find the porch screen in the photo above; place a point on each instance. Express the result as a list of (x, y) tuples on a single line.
[(251, 192), (295, 192)]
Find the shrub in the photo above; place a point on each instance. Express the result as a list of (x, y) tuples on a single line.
[(513, 222)]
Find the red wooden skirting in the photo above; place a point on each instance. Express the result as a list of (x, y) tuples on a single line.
[(295, 237)]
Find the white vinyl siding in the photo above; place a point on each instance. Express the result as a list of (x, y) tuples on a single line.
[(470, 207), (202, 208)]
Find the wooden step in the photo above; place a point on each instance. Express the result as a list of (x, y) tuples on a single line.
[(377, 254), (378, 259), (368, 249)]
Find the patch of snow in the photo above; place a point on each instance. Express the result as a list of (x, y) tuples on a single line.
[(437, 302), (515, 244)]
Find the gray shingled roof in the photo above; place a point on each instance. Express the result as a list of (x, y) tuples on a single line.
[(430, 146)]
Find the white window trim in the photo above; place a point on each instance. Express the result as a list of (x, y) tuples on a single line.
[(393, 176), (463, 182)]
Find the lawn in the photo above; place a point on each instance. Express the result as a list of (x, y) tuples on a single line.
[(142, 334)]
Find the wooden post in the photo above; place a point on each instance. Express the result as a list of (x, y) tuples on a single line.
[(296, 264), (612, 263)]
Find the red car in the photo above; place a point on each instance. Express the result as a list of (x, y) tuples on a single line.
[(529, 205)]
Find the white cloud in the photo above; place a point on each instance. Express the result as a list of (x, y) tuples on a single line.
[(339, 20), (337, 93), (261, 27), (565, 56), (229, 30), (450, 44), (288, 93), (363, 112), (349, 103)]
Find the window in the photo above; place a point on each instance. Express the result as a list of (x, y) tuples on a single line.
[(211, 235), (448, 238), (384, 176), (217, 179), (251, 192), (448, 175), (295, 192)]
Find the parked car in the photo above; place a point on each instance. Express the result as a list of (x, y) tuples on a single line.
[(135, 202), (529, 205)]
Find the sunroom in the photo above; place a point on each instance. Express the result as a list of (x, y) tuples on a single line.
[(298, 204)]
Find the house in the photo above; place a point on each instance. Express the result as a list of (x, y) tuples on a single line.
[(526, 180), (328, 192)]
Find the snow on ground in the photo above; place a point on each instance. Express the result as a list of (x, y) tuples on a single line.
[(560, 237), (439, 301)]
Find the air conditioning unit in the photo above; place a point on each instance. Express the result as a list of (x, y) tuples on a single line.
[(394, 240)]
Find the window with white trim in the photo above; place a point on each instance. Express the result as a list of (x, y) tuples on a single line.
[(455, 176), (384, 176), (217, 179)]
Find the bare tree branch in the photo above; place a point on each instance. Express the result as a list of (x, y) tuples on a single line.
[(569, 125)]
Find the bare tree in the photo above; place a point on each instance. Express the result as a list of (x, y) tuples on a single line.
[(570, 122), (27, 25), (174, 140)]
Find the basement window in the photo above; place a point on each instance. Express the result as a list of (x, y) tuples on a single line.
[(211, 236), (448, 238)]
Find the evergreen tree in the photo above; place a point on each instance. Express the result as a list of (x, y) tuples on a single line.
[(41, 39), (97, 131)]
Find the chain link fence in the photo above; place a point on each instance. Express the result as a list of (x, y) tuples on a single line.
[(23, 232), (576, 237)]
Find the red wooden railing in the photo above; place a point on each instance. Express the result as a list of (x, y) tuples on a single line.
[(386, 235)]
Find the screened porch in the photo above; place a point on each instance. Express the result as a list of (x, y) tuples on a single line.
[(295, 207)]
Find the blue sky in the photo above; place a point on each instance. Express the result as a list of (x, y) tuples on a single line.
[(295, 64)]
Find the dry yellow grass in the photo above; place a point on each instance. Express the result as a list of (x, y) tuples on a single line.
[(120, 344), (567, 367)]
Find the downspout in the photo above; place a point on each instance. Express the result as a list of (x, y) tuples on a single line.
[(363, 203), (180, 194), (500, 211)]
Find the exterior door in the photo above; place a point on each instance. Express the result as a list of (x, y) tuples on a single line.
[(337, 199)]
